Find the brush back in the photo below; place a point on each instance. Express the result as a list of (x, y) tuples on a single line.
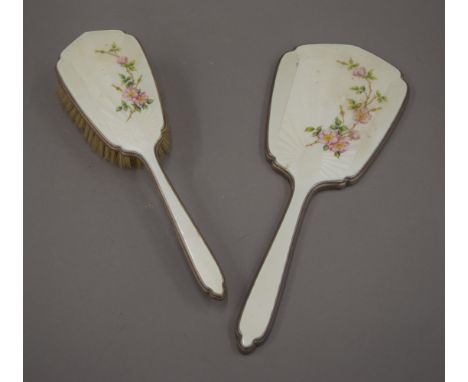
[(110, 81)]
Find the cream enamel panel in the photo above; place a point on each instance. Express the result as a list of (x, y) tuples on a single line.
[(89, 77), (319, 86)]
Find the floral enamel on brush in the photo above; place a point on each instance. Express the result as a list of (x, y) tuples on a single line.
[(338, 136), (133, 99)]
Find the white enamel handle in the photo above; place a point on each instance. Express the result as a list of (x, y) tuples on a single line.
[(263, 299), (201, 261)]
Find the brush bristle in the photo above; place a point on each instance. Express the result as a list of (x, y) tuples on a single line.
[(98, 145), (164, 144)]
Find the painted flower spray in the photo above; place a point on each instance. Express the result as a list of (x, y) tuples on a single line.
[(338, 136), (133, 98)]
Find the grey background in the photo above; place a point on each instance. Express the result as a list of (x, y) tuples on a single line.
[(108, 295)]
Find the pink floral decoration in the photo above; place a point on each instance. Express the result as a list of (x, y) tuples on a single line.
[(338, 136), (141, 98), (133, 99), (359, 72), (130, 93), (362, 115), (122, 60), (354, 135), (327, 137), (340, 146)]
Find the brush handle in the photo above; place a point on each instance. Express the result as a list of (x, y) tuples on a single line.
[(263, 299), (201, 261)]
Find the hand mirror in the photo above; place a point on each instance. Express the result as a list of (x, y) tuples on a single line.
[(331, 110)]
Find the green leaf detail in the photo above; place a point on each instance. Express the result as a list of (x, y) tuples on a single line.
[(118, 88), (353, 105), (358, 89), (350, 64), (370, 75), (131, 66), (380, 98), (114, 48)]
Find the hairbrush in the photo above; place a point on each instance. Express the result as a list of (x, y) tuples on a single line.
[(332, 107), (108, 89)]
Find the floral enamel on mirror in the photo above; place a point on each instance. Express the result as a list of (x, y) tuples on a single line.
[(331, 109)]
